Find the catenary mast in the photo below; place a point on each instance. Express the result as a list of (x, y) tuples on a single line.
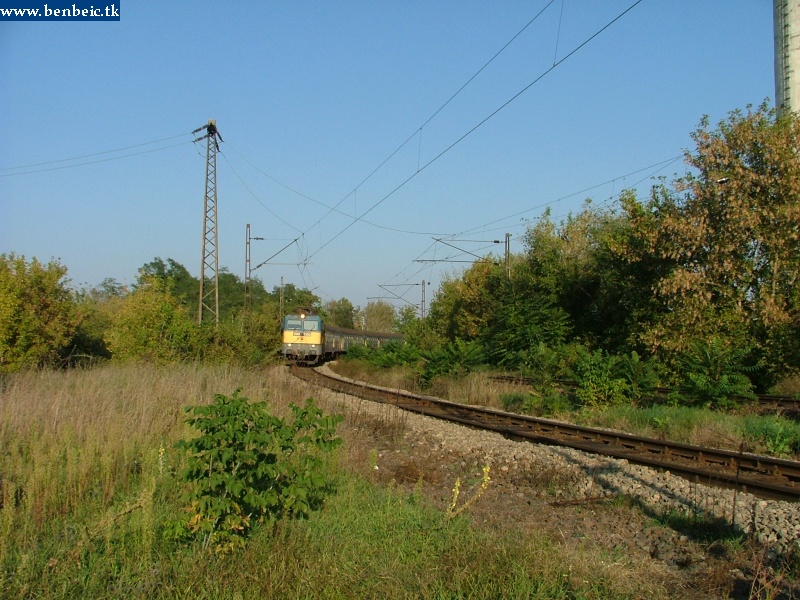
[(209, 269)]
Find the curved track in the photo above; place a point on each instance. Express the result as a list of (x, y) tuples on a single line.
[(765, 477)]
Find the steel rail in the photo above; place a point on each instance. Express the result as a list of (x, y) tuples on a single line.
[(766, 477)]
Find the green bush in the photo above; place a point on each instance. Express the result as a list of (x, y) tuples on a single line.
[(151, 324), (714, 374), (457, 358), (37, 313), (249, 467), (599, 379), (388, 355)]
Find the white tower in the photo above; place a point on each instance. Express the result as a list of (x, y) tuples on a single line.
[(786, 20)]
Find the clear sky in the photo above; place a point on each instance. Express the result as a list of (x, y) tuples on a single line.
[(314, 101)]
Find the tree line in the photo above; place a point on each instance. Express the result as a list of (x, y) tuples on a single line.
[(698, 280), (45, 323), (701, 276)]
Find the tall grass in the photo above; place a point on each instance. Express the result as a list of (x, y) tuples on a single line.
[(88, 479)]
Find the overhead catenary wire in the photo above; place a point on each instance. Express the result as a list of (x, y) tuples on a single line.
[(479, 124), (92, 162), (436, 112), (50, 162), (651, 171)]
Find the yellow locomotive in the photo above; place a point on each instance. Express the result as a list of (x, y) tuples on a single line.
[(306, 339)]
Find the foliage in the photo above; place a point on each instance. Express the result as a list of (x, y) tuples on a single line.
[(37, 313), (293, 298), (180, 282), (152, 324), (464, 306), (520, 326), (405, 319), (642, 376), (547, 403), (456, 358), (714, 374), (340, 313), (95, 307), (377, 316), (249, 467), (731, 230), (600, 380), (576, 266), (388, 355), (186, 288)]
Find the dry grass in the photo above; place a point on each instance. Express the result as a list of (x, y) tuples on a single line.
[(790, 386), (71, 440), (475, 389)]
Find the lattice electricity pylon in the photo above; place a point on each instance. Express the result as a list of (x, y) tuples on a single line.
[(209, 269)]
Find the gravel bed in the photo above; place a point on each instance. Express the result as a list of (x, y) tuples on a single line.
[(774, 524)]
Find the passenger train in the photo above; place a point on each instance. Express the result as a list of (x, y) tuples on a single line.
[(307, 340)]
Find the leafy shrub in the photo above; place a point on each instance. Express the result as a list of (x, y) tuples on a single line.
[(457, 358), (714, 374), (642, 376), (37, 313), (151, 324), (388, 355), (522, 323), (543, 363), (248, 467), (599, 378), (518, 402)]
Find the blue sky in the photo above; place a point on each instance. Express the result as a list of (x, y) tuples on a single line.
[(312, 97)]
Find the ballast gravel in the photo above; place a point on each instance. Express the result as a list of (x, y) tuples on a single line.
[(577, 477)]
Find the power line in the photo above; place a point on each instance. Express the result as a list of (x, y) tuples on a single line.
[(479, 124), (357, 218), (428, 263), (75, 158)]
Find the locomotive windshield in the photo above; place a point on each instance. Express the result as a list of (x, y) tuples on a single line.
[(298, 324)]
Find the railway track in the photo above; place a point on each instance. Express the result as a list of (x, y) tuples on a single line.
[(761, 476)]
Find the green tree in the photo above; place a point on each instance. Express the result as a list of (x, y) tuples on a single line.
[(37, 313), (378, 316), (405, 318), (95, 307), (731, 230), (152, 324), (463, 307), (341, 313), (182, 284), (585, 267), (295, 298)]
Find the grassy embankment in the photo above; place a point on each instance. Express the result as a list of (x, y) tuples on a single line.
[(90, 479)]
